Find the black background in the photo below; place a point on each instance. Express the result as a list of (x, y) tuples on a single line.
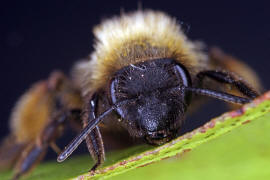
[(37, 37)]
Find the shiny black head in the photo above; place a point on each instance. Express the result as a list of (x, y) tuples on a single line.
[(156, 104)]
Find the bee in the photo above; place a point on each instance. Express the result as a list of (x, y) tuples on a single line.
[(144, 76)]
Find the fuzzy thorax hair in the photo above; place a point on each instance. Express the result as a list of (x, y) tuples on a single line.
[(133, 38)]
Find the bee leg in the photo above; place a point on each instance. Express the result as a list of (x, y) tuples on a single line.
[(94, 140), (35, 152), (96, 148), (56, 149), (30, 157), (228, 78), (10, 151)]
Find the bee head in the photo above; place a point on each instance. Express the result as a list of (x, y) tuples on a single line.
[(156, 102)]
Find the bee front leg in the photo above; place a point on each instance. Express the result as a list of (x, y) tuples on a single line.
[(94, 140), (96, 148)]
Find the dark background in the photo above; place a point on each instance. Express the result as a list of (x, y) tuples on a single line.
[(37, 37)]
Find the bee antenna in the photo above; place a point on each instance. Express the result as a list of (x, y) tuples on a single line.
[(83, 134), (218, 95)]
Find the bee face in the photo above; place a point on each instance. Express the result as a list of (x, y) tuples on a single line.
[(156, 106)]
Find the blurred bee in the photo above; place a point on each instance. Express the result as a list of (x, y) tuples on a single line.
[(143, 76)]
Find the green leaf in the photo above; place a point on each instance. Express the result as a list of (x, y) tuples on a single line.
[(235, 145)]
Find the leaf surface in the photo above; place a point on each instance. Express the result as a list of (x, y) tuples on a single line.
[(235, 145)]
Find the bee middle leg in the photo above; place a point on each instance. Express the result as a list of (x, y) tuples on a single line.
[(35, 151), (94, 140), (10, 151)]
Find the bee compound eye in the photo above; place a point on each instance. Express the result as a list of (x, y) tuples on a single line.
[(183, 75)]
